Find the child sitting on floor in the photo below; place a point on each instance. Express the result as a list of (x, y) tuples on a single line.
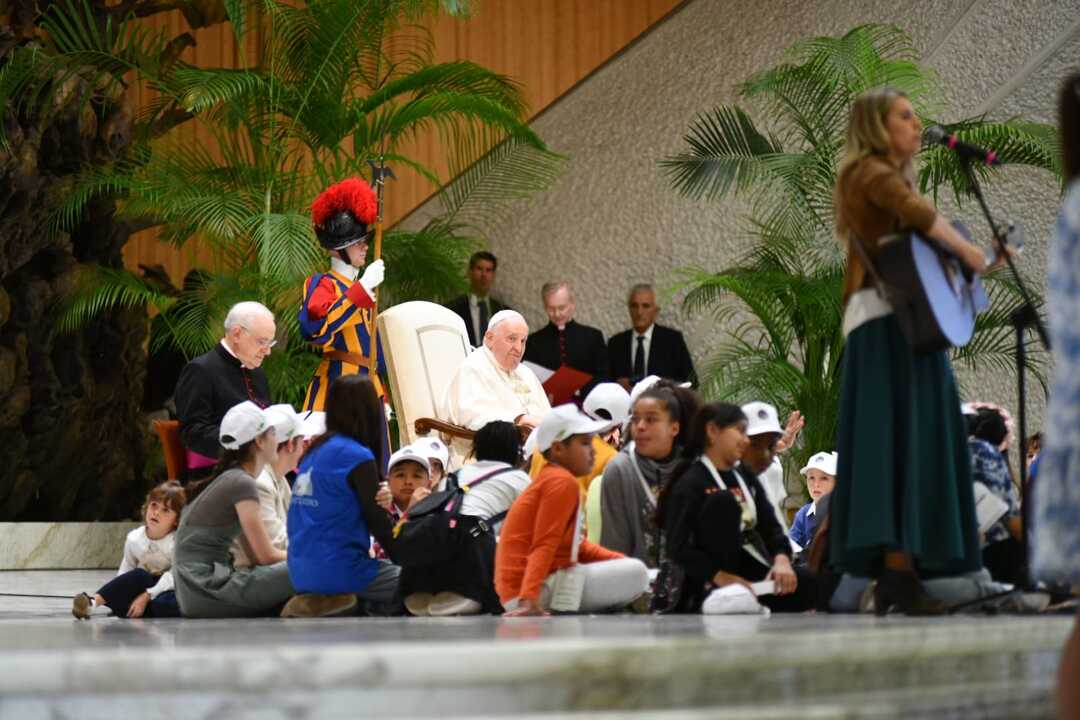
[(543, 561), (820, 474), (438, 457), (144, 584)]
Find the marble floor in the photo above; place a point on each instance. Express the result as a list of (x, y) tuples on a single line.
[(52, 666)]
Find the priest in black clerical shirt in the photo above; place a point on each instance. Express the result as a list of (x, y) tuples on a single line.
[(223, 377), (564, 342)]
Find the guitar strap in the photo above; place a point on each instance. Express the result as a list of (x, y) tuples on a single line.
[(864, 257)]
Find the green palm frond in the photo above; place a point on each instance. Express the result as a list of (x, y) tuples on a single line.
[(725, 152), (484, 188), (426, 265), (1016, 142), (100, 289)]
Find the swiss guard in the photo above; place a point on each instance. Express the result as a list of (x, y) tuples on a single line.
[(338, 314)]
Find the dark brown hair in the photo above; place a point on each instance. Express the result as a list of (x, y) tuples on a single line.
[(228, 460), (681, 405), (1069, 127), (353, 409), (171, 494)]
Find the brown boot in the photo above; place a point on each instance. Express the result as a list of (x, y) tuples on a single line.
[(309, 605)]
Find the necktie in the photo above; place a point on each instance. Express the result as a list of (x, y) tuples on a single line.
[(639, 358), (482, 306)]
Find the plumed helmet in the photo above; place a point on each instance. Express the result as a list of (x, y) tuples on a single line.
[(342, 213)]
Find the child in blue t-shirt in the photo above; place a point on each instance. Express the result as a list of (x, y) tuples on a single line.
[(820, 474)]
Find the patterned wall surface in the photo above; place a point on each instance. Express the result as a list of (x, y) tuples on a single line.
[(611, 220)]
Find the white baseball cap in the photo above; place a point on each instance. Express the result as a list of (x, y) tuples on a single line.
[(408, 454), (559, 424), (761, 418), (314, 423), (608, 401), (433, 449), (242, 424), (641, 386), (823, 461), (284, 420)]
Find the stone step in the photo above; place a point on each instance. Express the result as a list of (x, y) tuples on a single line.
[(465, 667)]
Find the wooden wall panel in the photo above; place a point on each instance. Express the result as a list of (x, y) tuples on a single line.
[(546, 45)]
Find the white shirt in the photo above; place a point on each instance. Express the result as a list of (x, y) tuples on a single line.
[(480, 392), (343, 268), (496, 494), (773, 482), (634, 335), (153, 556), (474, 313), (274, 498)]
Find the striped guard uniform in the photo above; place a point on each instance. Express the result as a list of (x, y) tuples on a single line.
[(337, 316)]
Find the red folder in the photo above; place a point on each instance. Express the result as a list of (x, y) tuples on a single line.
[(566, 381)]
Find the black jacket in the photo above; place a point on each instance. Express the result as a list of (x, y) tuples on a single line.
[(460, 305), (668, 356), (208, 386), (703, 535), (585, 350)]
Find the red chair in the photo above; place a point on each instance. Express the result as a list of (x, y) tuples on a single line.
[(168, 431)]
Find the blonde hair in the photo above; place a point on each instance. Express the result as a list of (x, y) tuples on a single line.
[(866, 135)]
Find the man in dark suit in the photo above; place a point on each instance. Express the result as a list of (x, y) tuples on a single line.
[(564, 342), (648, 349), (477, 307), (226, 375)]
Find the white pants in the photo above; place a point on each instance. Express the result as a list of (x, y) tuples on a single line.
[(609, 585)]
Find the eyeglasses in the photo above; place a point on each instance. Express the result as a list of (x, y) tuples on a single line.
[(262, 342)]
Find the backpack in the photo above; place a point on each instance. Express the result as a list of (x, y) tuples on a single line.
[(434, 530)]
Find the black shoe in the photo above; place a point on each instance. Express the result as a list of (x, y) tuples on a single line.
[(903, 591)]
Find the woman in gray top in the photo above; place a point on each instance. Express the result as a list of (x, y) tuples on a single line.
[(207, 584), (632, 481)]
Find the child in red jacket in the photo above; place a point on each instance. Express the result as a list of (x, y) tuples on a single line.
[(543, 561)]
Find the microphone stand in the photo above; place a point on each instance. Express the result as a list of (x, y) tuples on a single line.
[(1022, 318)]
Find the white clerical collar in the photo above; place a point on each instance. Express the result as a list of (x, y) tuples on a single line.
[(235, 356), (343, 268), (647, 334)]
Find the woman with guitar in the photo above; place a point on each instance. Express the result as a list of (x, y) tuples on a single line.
[(903, 505)]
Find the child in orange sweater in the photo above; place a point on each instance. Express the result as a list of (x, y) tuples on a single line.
[(543, 561)]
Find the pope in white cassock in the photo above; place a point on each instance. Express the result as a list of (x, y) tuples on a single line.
[(492, 384)]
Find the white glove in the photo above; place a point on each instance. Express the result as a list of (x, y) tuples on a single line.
[(373, 276)]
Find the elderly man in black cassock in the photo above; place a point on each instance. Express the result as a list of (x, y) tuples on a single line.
[(563, 341), (224, 376)]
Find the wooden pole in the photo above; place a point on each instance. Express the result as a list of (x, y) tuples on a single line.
[(373, 353)]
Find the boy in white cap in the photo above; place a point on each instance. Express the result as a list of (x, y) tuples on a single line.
[(767, 439), (409, 476), (543, 561), (820, 474), (438, 457)]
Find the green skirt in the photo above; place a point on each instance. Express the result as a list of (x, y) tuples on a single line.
[(904, 474)]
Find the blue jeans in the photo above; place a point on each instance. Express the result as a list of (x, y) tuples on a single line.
[(122, 590)]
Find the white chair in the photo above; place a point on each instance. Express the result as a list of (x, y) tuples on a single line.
[(423, 344)]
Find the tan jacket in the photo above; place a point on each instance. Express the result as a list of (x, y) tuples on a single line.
[(875, 200)]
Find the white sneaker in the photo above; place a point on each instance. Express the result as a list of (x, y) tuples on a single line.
[(419, 604), (445, 604)]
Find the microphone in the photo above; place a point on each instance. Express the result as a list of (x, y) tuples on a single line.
[(937, 135)]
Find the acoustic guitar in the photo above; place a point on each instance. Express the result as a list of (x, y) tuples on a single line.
[(935, 296)]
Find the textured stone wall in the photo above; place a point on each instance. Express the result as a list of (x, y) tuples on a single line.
[(611, 220)]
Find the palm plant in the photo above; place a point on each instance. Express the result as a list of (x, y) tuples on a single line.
[(784, 327), (337, 85)]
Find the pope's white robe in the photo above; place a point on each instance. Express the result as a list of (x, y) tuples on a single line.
[(481, 392)]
